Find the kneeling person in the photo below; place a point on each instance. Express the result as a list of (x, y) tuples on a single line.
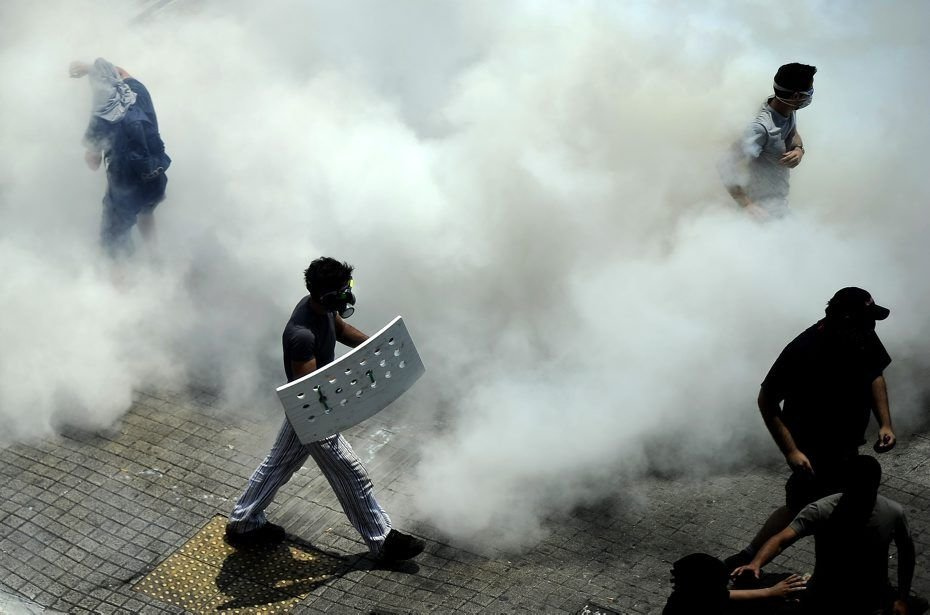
[(853, 531)]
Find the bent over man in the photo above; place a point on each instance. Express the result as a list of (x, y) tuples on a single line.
[(852, 533), (123, 132), (309, 343)]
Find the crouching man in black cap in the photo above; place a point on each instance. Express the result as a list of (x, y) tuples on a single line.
[(829, 379)]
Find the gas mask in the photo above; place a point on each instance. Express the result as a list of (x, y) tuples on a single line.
[(787, 96), (340, 301)]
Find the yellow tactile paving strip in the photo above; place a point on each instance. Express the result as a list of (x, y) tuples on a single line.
[(206, 575)]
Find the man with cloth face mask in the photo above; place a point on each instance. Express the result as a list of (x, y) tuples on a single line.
[(123, 131), (830, 379), (756, 173), (309, 341)]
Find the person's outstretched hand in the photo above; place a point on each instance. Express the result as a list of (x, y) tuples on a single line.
[(786, 587)]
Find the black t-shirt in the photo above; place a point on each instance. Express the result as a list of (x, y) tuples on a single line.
[(825, 380), (308, 335)]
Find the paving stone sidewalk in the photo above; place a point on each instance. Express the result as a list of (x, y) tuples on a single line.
[(84, 517)]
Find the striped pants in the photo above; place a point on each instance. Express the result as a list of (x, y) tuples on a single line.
[(341, 467)]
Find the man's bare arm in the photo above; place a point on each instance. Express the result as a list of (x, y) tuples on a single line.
[(882, 411), (772, 547), (742, 199), (78, 69), (794, 152), (771, 414), (301, 368), (734, 171), (739, 195), (782, 589), (347, 334)]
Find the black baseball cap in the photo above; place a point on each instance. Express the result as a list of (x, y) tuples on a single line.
[(855, 301)]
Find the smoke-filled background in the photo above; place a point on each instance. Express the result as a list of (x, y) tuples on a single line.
[(532, 185)]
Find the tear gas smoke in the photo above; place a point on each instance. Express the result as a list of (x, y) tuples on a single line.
[(532, 186)]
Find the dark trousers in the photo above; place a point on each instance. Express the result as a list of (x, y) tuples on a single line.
[(122, 204), (829, 477)]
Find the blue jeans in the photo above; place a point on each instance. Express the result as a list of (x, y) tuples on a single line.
[(122, 204)]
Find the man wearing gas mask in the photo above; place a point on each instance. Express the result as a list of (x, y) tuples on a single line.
[(309, 342), (827, 380), (756, 172)]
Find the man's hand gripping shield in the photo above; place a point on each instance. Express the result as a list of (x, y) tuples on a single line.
[(356, 386)]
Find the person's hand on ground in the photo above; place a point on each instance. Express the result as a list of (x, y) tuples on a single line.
[(749, 568), (886, 440), (786, 587)]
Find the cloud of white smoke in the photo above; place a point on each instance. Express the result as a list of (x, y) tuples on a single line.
[(532, 186)]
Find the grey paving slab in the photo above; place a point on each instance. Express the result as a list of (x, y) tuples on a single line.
[(85, 516)]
